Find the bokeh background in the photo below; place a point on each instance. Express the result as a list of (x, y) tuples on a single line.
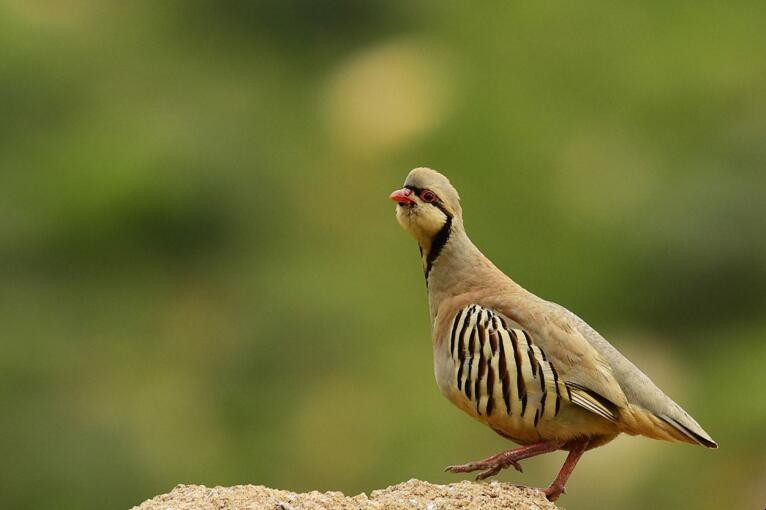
[(201, 277)]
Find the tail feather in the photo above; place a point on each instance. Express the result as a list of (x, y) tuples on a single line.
[(695, 437), (681, 427)]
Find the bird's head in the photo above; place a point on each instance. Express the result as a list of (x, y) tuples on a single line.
[(427, 205)]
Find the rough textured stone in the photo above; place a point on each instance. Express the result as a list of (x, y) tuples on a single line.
[(413, 494)]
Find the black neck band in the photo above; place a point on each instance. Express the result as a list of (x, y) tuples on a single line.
[(439, 241)]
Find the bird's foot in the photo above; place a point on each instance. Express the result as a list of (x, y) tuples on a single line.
[(554, 491), (509, 458), (488, 467)]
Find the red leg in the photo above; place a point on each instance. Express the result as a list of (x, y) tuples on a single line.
[(493, 465), (559, 484)]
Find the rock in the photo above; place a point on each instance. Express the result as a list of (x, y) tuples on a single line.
[(413, 494)]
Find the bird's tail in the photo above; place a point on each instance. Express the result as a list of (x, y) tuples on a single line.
[(690, 431), (673, 425)]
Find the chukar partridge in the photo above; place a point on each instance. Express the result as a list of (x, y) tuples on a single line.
[(532, 370)]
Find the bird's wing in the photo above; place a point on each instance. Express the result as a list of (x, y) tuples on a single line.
[(534, 374), (588, 361), (652, 412), (588, 376)]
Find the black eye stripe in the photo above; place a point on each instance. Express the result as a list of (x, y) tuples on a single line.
[(437, 202)]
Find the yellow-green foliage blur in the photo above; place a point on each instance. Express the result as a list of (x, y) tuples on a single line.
[(201, 276)]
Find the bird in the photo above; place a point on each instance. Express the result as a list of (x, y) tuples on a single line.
[(530, 369)]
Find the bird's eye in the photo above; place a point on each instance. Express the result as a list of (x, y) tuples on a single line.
[(427, 196)]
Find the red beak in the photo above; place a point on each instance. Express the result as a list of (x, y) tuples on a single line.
[(402, 196)]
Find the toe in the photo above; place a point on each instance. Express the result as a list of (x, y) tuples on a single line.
[(463, 468), (489, 472), (553, 493)]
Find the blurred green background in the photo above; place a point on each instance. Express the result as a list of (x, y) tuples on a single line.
[(201, 276)]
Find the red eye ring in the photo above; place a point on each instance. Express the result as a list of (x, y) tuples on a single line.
[(427, 196)]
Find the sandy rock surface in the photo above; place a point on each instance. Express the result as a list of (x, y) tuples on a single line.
[(413, 494)]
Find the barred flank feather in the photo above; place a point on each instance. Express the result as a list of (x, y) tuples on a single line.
[(501, 369)]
